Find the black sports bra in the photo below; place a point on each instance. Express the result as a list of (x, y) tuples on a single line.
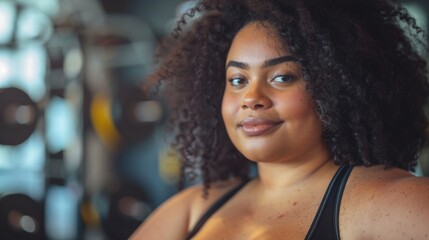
[(325, 225)]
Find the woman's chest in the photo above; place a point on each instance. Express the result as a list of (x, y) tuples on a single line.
[(287, 221)]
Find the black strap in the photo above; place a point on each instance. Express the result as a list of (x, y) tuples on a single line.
[(218, 204), (326, 223)]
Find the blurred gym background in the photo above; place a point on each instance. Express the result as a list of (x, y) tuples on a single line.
[(82, 150)]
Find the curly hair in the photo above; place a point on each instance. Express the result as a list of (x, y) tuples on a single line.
[(361, 66)]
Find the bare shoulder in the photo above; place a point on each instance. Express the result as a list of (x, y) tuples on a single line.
[(389, 203), (173, 219), (169, 220)]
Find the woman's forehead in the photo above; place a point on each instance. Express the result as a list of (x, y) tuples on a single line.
[(255, 44)]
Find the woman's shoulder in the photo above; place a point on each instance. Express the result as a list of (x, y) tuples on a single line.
[(391, 203), (381, 183), (174, 218), (169, 220)]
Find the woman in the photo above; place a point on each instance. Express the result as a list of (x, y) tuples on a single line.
[(326, 97)]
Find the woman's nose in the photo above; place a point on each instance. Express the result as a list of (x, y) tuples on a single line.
[(255, 99)]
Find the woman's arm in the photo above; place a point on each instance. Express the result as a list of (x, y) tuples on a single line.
[(401, 210)]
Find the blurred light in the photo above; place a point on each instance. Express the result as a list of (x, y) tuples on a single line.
[(24, 68), (33, 25), (60, 124), (25, 181), (20, 114), (7, 15), (73, 157), (135, 208), (148, 111), (89, 213), (31, 60), (5, 162), (73, 63), (418, 12), (24, 114), (28, 224), (169, 165), (32, 153), (22, 222), (21, 217), (101, 118), (50, 7), (61, 213), (6, 70), (29, 155), (185, 6), (181, 9)]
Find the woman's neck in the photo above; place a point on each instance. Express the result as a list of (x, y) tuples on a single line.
[(283, 175)]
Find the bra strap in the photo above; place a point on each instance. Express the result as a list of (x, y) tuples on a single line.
[(325, 224)]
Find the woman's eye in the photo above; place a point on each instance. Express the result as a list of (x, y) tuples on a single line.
[(236, 81), (283, 78)]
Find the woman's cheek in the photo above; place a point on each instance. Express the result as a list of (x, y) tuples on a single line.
[(230, 107)]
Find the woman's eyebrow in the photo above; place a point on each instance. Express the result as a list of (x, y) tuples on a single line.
[(275, 61), (237, 64), (267, 63)]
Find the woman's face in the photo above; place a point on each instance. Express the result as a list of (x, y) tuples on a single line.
[(268, 114)]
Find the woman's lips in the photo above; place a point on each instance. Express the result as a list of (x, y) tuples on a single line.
[(257, 126)]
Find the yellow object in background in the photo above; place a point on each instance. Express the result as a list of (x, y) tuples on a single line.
[(89, 214), (102, 121), (169, 165)]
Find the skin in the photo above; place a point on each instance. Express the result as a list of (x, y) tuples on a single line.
[(293, 164)]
